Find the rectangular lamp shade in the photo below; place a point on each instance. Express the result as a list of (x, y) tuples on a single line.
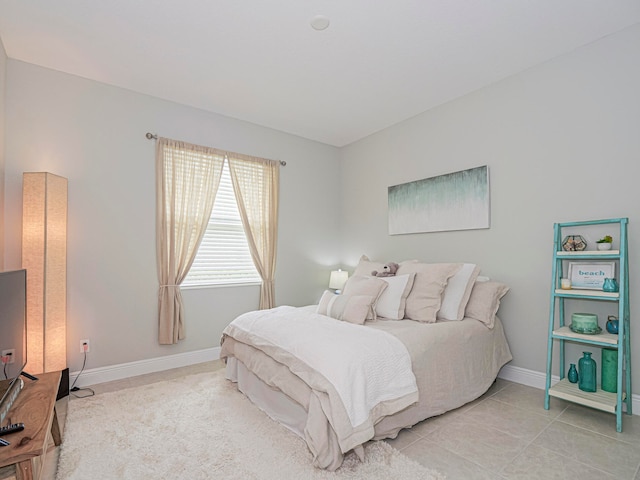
[(337, 279), (44, 256)]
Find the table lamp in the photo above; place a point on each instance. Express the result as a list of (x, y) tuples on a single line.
[(337, 280)]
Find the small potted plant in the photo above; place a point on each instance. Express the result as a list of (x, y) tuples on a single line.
[(605, 243)]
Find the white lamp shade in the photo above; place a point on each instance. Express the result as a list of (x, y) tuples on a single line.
[(337, 279), (44, 256)]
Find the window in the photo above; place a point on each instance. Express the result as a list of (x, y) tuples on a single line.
[(223, 256)]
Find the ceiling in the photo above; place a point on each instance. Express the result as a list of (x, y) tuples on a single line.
[(377, 63)]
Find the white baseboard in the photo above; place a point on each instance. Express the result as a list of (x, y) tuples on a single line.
[(523, 376), (110, 373), (94, 376), (535, 379)]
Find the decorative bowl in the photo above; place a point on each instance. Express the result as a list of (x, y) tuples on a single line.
[(585, 331)]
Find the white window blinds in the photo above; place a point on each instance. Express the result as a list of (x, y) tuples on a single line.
[(223, 256)]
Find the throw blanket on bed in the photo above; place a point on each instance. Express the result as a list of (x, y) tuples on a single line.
[(365, 366), (356, 374)]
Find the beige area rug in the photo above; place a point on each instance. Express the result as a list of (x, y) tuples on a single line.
[(200, 427)]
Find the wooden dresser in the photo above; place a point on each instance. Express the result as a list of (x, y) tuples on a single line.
[(35, 407)]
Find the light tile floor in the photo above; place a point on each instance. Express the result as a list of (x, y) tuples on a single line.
[(505, 434)]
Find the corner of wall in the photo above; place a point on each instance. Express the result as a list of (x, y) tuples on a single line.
[(3, 76)]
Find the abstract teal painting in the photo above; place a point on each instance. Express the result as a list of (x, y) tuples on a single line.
[(454, 201)]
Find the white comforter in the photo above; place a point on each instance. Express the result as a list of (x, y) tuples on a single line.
[(365, 366), (453, 363)]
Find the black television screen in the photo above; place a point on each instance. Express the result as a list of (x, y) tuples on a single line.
[(13, 334)]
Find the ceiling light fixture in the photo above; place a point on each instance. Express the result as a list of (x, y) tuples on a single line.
[(319, 22)]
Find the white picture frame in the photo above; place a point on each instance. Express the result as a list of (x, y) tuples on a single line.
[(590, 275)]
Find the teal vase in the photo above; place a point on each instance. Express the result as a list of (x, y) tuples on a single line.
[(572, 374), (610, 285), (587, 373), (609, 370)]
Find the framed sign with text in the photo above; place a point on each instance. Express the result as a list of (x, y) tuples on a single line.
[(590, 275)]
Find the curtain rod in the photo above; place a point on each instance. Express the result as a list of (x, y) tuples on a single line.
[(153, 136)]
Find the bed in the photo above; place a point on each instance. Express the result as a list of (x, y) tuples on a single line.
[(354, 368)]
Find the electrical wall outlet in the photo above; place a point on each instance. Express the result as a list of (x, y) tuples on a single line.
[(85, 346), (11, 352)]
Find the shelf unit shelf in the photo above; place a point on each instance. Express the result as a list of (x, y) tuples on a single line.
[(589, 254), (599, 399), (580, 293), (603, 339), (560, 333)]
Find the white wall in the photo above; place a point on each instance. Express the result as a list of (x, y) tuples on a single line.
[(3, 70), (562, 144), (560, 140), (94, 135)]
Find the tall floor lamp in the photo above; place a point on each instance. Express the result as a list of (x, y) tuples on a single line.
[(44, 256)]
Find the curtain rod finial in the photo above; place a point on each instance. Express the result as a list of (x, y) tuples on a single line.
[(151, 135)]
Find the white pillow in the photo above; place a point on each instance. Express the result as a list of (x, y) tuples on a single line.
[(425, 297), (350, 308), (366, 266), (457, 292), (393, 299), (365, 285), (485, 300)]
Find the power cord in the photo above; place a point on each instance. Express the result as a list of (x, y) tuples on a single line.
[(78, 389), (6, 359)]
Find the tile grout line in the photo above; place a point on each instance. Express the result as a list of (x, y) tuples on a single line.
[(557, 419), (610, 437), (456, 454), (501, 472)]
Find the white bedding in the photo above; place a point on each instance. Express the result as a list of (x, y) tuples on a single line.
[(365, 366), (453, 363)]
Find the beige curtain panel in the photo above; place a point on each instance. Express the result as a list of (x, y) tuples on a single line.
[(187, 179), (256, 184)]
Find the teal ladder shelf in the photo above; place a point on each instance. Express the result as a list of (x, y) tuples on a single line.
[(560, 332)]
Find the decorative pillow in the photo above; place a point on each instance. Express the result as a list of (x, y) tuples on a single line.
[(349, 308), (485, 301), (363, 285), (457, 292), (425, 297), (366, 266), (391, 303)]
